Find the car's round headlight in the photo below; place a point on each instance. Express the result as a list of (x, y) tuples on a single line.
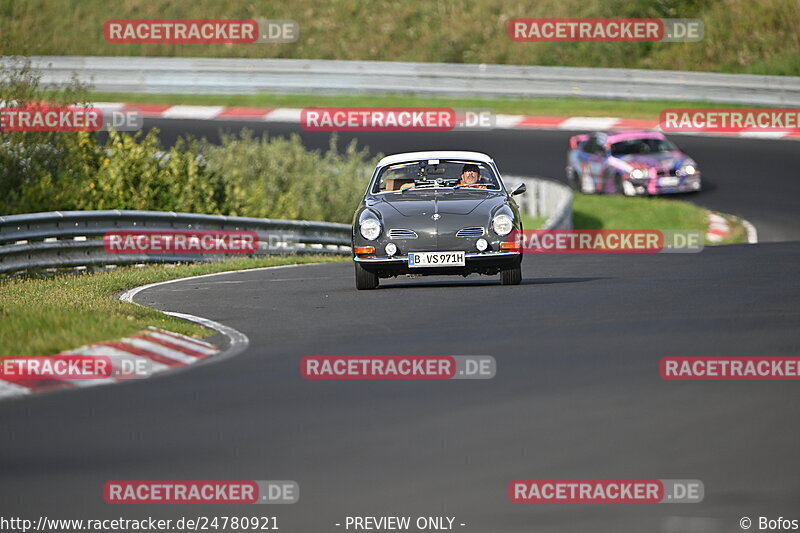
[(637, 174), (370, 229), (502, 224), (689, 170)]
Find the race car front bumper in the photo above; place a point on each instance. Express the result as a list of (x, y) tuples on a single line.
[(654, 186)]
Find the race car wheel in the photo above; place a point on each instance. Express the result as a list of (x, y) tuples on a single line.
[(572, 179), (616, 183), (365, 280), (625, 187), (511, 276)]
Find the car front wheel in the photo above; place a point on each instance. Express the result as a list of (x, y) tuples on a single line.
[(511, 276), (365, 280), (572, 179)]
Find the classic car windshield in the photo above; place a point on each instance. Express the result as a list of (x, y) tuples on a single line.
[(641, 146), (433, 173)]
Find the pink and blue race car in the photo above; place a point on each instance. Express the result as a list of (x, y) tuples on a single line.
[(631, 163)]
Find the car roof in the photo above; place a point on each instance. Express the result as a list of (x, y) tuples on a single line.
[(629, 134), (435, 154)]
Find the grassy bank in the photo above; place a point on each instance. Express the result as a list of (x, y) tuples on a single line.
[(45, 316), (740, 36), (619, 212), (551, 107)]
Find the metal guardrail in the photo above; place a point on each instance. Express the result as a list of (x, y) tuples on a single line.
[(247, 76), (69, 239), (545, 198)]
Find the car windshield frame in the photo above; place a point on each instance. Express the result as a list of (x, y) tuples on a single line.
[(643, 140), (498, 184)]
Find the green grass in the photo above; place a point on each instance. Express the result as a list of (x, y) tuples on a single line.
[(48, 315), (740, 36), (531, 222), (553, 107), (620, 212)]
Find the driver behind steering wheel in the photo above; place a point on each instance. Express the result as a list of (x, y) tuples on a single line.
[(471, 177)]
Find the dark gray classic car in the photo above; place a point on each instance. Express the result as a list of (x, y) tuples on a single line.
[(434, 213)]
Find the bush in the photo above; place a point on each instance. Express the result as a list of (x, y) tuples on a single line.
[(279, 178), (244, 176)]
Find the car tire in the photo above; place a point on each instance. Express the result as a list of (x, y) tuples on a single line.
[(365, 280), (511, 276), (616, 182), (572, 179), (625, 188)]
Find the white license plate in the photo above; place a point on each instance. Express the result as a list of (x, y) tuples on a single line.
[(435, 259), (668, 182)]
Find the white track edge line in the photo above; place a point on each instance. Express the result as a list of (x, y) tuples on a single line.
[(752, 232), (128, 295), (238, 340), (750, 229)]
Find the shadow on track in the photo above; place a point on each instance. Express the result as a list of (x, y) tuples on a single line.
[(406, 284)]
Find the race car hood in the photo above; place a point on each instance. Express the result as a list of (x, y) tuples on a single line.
[(658, 160)]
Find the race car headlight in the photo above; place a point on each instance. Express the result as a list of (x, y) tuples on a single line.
[(502, 224), (687, 170), (637, 174), (370, 229)]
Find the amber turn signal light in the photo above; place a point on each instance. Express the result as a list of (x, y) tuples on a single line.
[(364, 250)]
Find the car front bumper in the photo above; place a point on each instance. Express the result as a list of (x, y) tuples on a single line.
[(489, 263), (652, 186)]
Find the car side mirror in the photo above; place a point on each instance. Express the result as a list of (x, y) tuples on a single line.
[(519, 189)]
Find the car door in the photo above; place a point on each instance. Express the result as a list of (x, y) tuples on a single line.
[(593, 157)]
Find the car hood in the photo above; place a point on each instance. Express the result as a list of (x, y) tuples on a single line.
[(658, 160), (444, 202)]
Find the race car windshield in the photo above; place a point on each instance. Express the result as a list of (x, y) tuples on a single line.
[(641, 146), (421, 175)]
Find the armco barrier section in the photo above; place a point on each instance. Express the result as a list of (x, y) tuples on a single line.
[(247, 76), (70, 239), (544, 198)]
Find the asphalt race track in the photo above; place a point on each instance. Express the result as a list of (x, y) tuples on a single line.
[(577, 393), (754, 178)]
